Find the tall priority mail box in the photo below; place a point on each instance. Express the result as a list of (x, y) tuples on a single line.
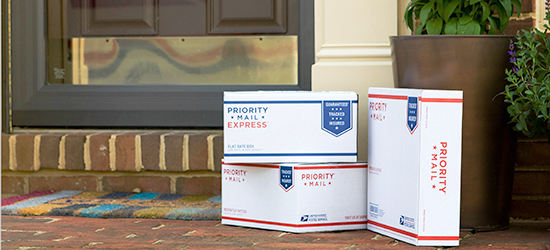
[(290, 126), (295, 197), (414, 154)]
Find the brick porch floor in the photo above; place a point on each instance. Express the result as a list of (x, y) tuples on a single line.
[(38, 232)]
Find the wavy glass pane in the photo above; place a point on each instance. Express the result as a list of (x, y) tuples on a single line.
[(248, 60)]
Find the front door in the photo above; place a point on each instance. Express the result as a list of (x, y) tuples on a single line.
[(160, 63)]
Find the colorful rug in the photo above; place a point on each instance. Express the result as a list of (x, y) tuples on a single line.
[(114, 205)]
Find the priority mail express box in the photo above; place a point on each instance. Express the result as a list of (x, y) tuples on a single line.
[(290, 126), (414, 155), (295, 197)]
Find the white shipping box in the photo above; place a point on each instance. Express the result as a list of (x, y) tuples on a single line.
[(295, 197), (290, 126), (414, 155)]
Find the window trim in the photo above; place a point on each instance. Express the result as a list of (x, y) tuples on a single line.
[(37, 104)]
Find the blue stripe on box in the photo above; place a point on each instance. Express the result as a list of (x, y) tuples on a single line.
[(268, 102), (276, 102)]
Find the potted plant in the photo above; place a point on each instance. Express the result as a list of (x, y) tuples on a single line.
[(528, 91), (460, 45)]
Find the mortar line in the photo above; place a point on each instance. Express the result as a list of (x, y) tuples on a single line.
[(185, 153), (36, 155), (87, 154), (13, 156), (61, 160)]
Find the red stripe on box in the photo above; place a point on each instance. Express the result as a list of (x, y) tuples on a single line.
[(297, 167), (399, 231), (296, 225), (251, 165), (395, 97), (446, 100), (398, 97), (330, 167), (395, 230), (438, 238)]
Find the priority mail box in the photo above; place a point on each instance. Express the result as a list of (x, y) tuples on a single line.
[(295, 197), (414, 155), (290, 126)]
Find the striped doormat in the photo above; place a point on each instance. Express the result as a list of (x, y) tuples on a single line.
[(114, 205)]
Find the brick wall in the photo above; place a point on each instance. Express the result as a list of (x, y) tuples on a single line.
[(167, 162), (531, 190)]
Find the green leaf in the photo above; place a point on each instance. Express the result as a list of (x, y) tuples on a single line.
[(420, 29), (519, 127), (425, 12), (523, 123), (440, 7), (434, 26), (507, 4), (486, 11), (492, 26), (463, 20), (503, 17), (472, 28), (451, 26), (517, 3), (409, 19), (472, 2), (450, 9)]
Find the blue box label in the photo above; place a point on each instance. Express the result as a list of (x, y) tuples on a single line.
[(412, 113), (286, 174), (337, 117)]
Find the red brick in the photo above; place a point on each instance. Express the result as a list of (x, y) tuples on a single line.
[(530, 209), (24, 151), (532, 183), (527, 6), (126, 152), (218, 152), (147, 184), (99, 152), (49, 151), (150, 147), (517, 25), (533, 152), (174, 152), (198, 152), (84, 183), (5, 152), (198, 185), (74, 151), (13, 185)]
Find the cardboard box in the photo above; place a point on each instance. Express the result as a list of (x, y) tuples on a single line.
[(290, 126), (415, 143), (295, 197)]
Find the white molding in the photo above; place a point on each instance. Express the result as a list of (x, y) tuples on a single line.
[(354, 51), (540, 13)]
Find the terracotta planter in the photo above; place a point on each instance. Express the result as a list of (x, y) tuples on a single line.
[(474, 64)]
